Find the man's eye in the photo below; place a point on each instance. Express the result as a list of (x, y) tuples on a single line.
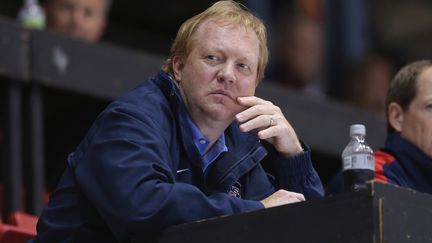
[(212, 58), (89, 12), (243, 66)]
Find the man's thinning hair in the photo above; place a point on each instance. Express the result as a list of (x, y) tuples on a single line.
[(229, 12), (403, 88)]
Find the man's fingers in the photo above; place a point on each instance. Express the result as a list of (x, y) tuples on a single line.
[(257, 106), (269, 123), (282, 197), (252, 112), (271, 131), (250, 100), (300, 197), (262, 121)]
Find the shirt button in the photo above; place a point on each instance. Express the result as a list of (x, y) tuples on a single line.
[(202, 141)]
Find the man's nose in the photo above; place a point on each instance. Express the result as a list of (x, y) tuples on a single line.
[(227, 73)]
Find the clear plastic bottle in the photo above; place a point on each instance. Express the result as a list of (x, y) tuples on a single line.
[(31, 15), (358, 161)]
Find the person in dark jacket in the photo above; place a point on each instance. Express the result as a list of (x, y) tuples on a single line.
[(406, 158), (185, 145)]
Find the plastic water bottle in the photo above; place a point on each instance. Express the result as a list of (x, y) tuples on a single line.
[(31, 15), (358, 161)]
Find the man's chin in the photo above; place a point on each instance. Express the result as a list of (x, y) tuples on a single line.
[(221, 113)]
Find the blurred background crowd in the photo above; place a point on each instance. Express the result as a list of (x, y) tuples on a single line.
[(346, 50)]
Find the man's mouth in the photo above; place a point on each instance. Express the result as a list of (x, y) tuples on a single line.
[(224, 93)]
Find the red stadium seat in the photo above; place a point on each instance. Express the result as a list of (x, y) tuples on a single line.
[(14, 234), (23, 221)]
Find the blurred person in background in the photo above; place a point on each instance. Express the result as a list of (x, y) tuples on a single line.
[(406, 158), (80, 19), (83, 20), (368, 84), (299, 54)]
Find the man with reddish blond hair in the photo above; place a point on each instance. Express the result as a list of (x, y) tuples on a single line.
[(185, 145)]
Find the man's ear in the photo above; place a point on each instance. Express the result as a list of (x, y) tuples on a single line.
[(177, 66), (395, 116)]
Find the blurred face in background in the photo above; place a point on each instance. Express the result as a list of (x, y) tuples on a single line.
[(370, 82), (303, 49), (80, 19)]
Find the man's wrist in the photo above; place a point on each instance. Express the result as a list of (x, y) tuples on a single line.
[(300, 150)]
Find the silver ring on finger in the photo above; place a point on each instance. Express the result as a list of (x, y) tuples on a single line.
[(271, 121)]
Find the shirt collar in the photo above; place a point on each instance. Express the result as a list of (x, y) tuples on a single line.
[(201, 143)]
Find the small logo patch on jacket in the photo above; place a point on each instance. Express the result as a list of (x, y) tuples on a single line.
[(235, 190)]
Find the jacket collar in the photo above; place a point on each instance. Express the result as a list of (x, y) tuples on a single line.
[(244, 153), (416, 163), (172, 93)]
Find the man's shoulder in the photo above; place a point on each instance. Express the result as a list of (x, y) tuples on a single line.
[(146, 90), (146, 98), (383, 157), (382, 160)]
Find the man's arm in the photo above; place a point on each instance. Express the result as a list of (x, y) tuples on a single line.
[(296, 173), (291, 160)]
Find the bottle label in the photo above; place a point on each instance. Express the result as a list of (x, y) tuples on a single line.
[(359, 161)]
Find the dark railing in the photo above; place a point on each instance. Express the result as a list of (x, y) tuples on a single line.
[(382, 213)]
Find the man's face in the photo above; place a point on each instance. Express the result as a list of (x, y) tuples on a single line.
[(221, 66), (81, 19), (417, 120)]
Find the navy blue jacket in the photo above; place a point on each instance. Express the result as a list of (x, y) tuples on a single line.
[(137, 171), (399, 163), (404, 164)]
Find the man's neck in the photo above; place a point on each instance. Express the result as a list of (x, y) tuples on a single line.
[(211, 129)]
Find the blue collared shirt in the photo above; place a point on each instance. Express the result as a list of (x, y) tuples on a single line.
[(201, 142)]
